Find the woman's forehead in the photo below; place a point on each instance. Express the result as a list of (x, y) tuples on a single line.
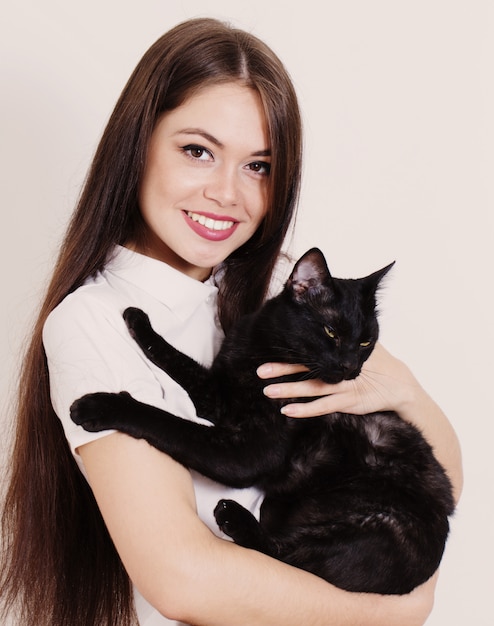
[(225, 112)]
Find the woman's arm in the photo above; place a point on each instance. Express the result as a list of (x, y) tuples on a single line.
[(189, 574), (385, 383)]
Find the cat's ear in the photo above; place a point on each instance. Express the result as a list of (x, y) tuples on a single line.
[(373, 280), (310, 272)]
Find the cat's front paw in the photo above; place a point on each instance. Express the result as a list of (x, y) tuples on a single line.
[(221, 515), (137, 321), (239, 524), (97, 411), (230, 516)]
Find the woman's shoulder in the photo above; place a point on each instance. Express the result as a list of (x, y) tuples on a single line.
[(93, 295), (89, 309), (105, 291)]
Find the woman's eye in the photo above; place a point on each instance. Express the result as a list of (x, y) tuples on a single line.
[(260, 167), (197, 152), (365, 344), (330, 332)]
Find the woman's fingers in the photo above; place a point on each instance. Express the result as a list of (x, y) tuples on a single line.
[(273, 370), (300, 389), (321, 406), (385, 383)]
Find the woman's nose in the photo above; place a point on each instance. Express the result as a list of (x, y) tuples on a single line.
[(223, 187)]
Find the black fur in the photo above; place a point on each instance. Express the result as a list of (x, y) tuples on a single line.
[(358, 500)]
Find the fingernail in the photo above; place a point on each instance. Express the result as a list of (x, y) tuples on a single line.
[(272, 391), (290, 410), (264, 370)]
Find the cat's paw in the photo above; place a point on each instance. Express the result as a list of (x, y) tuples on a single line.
[(96, 411), (136, 320), (230, 516), (239, 524), (221, 515)]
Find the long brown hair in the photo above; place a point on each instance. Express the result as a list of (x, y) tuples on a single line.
[(59, 566)]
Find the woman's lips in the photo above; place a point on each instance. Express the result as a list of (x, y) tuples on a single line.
[(211, 227)]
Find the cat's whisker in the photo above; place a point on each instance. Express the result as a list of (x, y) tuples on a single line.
[(313, 373), (369, 382)]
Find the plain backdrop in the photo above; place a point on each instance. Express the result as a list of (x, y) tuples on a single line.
[(398, 100)]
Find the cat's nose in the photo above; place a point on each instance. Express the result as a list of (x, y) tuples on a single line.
[(349, 369)]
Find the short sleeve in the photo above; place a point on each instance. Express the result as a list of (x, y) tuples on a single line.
[(89, 349)]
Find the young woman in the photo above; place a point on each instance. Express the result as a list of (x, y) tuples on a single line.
[(198, 168)]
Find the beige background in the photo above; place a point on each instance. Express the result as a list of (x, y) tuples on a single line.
[(397, 99)]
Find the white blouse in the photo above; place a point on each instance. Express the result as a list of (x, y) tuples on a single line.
[(89, 349)]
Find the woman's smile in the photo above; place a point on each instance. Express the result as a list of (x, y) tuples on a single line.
[(211, 227)]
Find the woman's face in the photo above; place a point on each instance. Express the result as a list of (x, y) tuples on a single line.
[(204, 188)]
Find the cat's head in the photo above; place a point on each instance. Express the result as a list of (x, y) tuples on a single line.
[(331, 322)]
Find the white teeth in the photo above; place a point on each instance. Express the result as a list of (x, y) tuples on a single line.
[(209, 222)]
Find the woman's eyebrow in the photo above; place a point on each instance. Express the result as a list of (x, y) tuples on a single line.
[(215, 141), (202, 133)]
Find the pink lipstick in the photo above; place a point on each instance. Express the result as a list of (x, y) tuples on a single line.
[(211, 227)]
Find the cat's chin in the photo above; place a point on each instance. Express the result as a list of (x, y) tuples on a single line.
[(334, 379), (331, 380)]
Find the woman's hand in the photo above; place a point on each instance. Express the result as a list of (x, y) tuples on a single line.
[(385, 383)]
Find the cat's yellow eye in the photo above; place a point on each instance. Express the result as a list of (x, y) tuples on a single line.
[(365, 344), (330, 332)]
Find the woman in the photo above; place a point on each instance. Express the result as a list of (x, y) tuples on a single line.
[(198, 167)]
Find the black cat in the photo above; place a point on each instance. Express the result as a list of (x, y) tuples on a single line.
[(358, 500)]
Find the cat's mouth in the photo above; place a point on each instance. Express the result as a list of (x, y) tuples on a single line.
[(335, 377)]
